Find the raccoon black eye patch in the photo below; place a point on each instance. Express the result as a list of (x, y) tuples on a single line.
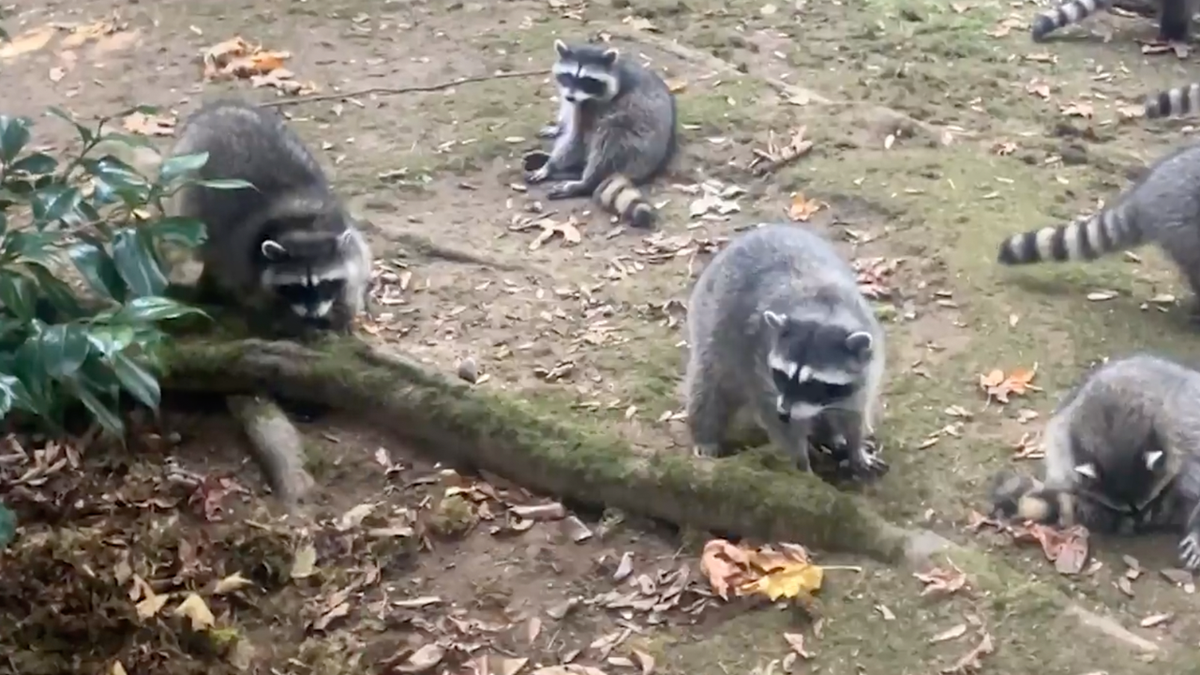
[(815, 390)]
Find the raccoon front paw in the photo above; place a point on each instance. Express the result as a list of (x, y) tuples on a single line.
[(866, 464), (549, 131), (1189, 551), (708, 450), (567, 190), (539, 176)]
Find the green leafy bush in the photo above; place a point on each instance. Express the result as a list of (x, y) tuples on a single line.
[(89, 341)]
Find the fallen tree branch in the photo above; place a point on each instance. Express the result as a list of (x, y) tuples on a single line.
[(276, 446), (390, 91), (788, 90), (428, 248), (511, 438)]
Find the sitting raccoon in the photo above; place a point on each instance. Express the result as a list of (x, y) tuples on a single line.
[(615, 129), (288, 243), (1174, 18), (1162, 207), (1122, 455), (778, 328)]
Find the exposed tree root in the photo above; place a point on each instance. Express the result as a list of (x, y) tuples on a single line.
[(276, 446), (538, 450)]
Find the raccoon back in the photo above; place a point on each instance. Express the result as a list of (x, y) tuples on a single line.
[(636, 131), (784, 267)]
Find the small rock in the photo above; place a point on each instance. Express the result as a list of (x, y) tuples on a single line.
[(468, 370)]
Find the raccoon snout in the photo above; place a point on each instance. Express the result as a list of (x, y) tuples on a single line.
[(571, 98)]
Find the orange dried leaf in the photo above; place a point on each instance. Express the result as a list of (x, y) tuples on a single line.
[(938, 580), (1067, 549), (999, 386), (724, 564), (802, 209), (265, 62)]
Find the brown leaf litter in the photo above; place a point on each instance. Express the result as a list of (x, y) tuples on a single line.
[(237, 59), (1067, 548)]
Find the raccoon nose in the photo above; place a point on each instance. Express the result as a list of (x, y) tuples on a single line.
[(785, 415)]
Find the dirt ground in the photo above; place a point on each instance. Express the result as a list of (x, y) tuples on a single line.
[(987, 134)]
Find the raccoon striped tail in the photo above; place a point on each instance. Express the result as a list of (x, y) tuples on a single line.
[(1066, 14), (1083, 239), (1020, 497), (1173, 102), (619, 195)]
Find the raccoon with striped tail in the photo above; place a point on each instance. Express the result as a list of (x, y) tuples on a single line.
[(616, 129), (1163, 207), (1174, 102), (1174, 18), (777, 328), (287, 249), (1122, 455)]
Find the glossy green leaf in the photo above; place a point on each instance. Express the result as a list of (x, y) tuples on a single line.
[(18, 295), (111, 339), (174, 168), (104, 415), (98, 270), (188, 232), (57, 293), (85, 134), (139, 382), (137, 264), (38, 163), (14, 136), (63, 347), (153, 308), (37, 246), (13, 395), (56, 203)]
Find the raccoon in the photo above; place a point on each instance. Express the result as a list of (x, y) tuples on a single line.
[(1122, 455), (288, 243), (1163, 207), (1173, 102), (615, 130), (778, 329), (1174, 18)]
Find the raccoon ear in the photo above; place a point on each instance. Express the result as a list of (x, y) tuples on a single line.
[(1088, 470), (1152, 458), (561, 47), (273, 250), (611, 56), (773, 319), (860, 343)]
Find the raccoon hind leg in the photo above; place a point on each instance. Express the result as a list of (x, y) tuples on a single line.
[(1175, 20), (710, 409)]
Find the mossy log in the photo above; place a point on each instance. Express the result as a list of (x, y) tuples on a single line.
[(500, 433)]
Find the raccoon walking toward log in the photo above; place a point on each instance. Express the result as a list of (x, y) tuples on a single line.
[(1122, 455), (778, 328), (1162, 207), (288, 243), (1174, 18), (615, 130)]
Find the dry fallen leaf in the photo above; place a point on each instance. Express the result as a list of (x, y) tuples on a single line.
[(938, 580), (231, 583), (305, 562), (801, 209), (999, 386), (787, 575), (724, 564), (796, 642), (970, 662), (421, 660), (29, 41), (194, 608), (1067, 549), (950, 634), (149, 125)]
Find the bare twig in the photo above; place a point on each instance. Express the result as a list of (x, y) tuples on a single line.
[(402, 90)]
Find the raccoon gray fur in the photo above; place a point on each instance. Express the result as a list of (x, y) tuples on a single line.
[(1174, 18), (778, 329), (1173, 102), (1162, 207), (1122, 454), (289, 243), (615, 130)]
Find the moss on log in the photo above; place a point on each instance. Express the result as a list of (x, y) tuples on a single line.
[(510, 437)]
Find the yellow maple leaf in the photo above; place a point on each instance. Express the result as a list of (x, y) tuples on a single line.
[(791, 580), (802, 209)]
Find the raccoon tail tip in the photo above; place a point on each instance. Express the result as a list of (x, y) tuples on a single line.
[(643, 216), (619, 195), (1042, 26), (1012, 250)]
